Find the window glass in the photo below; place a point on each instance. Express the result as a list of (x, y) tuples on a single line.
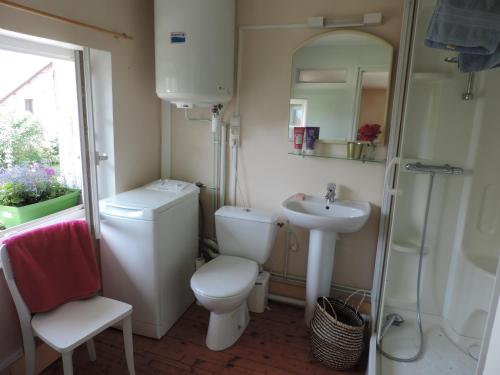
[(40, 162)]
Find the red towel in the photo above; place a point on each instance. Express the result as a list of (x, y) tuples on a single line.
[(54, 265)]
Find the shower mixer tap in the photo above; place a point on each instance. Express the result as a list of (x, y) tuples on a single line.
[(434, 169)]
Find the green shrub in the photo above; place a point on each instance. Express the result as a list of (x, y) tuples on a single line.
[(22, 142)]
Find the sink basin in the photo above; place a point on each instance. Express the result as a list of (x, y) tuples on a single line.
[(312, 213), (324, 222)]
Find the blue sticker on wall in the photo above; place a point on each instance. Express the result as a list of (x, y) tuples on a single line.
[(178, 38)]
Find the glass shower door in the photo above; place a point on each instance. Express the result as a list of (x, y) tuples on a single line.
[(456, 217)]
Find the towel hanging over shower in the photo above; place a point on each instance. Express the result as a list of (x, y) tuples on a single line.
[(469, 27)]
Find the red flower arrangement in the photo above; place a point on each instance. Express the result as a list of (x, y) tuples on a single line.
[(369, 132)]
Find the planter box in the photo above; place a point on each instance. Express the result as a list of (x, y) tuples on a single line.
[(12, 216)]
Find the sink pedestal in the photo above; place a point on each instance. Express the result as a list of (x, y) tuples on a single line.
[(319, 268), (324, 222)]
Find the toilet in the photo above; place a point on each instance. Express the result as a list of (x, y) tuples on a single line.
[(245, 237)]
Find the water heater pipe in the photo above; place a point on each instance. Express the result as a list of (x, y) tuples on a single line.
[(215, 163), (233, 162), (239, 69), (166, 139), (233, 172), (222, 171), (215, 121)]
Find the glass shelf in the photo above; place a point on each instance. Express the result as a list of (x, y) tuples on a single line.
[(338, 157)]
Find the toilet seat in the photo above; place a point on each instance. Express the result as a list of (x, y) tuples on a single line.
[(225, 277)]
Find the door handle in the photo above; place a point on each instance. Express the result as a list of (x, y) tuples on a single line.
[(389, 173), (101, 157)]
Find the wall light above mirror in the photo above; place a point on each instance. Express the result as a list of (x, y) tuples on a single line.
[(340, 81)]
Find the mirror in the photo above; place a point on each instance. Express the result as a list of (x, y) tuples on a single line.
[(340, 82)]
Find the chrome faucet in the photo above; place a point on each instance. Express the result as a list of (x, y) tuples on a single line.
[(330, 193)]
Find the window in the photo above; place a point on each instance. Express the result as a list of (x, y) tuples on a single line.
[(56, 116), (28, 105), (322, 76), (40, 152)]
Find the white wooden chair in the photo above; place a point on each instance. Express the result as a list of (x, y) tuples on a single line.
[(69, 325)]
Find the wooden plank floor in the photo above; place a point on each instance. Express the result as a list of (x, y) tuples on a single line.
[(275, 342)]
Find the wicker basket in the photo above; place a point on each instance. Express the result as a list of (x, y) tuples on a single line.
[(337, 333)]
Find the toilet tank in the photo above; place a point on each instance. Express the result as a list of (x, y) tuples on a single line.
[(246, 232)]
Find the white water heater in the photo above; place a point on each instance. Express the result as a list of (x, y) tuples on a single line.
[(194, 45)]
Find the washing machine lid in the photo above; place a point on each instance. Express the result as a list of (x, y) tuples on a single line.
[(225, 276), (148, 201)]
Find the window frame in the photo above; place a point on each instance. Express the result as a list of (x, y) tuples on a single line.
[(28, 44)]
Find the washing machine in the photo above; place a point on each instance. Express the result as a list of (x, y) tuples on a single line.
[(149, 245)]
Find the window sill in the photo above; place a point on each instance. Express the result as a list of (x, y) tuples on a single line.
[(73, 213), (76, 212)]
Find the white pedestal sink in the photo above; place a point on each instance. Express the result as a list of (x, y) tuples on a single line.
[(324, 222)]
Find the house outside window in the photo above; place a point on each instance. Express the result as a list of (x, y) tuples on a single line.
[(39, 150)]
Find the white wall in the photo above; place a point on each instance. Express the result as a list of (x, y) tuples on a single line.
[(492, 366), (482, 229)]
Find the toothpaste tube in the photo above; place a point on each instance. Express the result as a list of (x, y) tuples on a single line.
[(298, 138)]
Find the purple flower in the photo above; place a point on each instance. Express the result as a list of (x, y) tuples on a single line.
[(26, 176), (50, 172), (27, 184)]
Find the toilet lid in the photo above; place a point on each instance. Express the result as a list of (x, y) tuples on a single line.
[(225, 276)]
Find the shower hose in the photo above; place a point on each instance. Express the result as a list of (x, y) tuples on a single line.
[(419, 282)]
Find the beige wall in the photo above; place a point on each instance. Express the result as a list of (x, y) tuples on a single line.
[(136, 107), (267, 173), (372, 107)]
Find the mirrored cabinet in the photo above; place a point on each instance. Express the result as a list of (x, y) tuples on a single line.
[(340, 84)]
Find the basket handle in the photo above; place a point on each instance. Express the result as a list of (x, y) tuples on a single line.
[(353, 294), (323, 299)]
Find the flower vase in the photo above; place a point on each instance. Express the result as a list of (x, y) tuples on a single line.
[(369, 151)]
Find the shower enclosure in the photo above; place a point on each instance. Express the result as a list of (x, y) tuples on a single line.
[(438, 261)]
